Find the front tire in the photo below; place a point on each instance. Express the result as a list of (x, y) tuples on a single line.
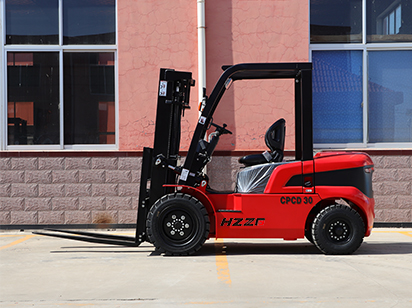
[(338, 230), (178, 224)]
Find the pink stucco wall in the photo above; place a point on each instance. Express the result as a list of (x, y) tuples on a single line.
[(255, 31), (155, 34), (152, 35)]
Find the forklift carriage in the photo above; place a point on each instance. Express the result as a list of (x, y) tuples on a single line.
[(326, 198)]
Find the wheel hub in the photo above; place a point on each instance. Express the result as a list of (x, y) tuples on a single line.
[(178, 225), (339, 231)]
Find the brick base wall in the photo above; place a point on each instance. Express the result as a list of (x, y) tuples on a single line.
[(93, 190), (392, 186), (69, 190)]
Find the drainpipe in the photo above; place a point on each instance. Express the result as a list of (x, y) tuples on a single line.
[(201, 48), (201, 54)]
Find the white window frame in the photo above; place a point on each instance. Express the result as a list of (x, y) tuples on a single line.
[(60, 49), (3, 96), (365, 48)]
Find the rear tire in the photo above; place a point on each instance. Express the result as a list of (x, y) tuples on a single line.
[(338, 230), (178, 224)]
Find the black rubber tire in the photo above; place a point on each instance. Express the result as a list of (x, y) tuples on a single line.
[(338, 230), (178, 224)]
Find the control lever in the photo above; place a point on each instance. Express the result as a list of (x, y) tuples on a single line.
[(221, 130)]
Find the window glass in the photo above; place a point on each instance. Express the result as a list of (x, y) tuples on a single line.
[(389, 21), (390, 96), (89, 98), (89, 22), (335, 21), (32, 22), (337, 96), (33, 98)]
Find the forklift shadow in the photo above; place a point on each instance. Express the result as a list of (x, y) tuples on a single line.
[(237, 248), (288, 248), (245, 248), (381, 248), (103, 249)]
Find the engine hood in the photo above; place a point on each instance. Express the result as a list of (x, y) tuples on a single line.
[(327, 161)]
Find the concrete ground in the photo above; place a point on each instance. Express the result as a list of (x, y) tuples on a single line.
[(38, 271)]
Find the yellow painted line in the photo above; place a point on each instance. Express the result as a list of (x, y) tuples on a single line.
[(18, 241), (222, 266), (406, 233), (11, 235)]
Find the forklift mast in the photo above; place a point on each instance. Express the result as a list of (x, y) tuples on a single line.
[(159, 162)]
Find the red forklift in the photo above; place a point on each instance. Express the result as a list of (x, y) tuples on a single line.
[(326, 197)]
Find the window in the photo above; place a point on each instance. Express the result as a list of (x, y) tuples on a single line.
[(60, 78), (337, 81), (389, 21), (33, 98), (362, 93), (32, 22), (88, 22), (390, 96), (88, 98), (337, 21)]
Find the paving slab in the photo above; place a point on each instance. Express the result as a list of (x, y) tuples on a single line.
[(39, 271)]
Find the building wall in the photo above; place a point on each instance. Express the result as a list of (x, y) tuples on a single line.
[(102, 187)]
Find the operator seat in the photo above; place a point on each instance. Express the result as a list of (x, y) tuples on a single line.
[(275, 141)]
